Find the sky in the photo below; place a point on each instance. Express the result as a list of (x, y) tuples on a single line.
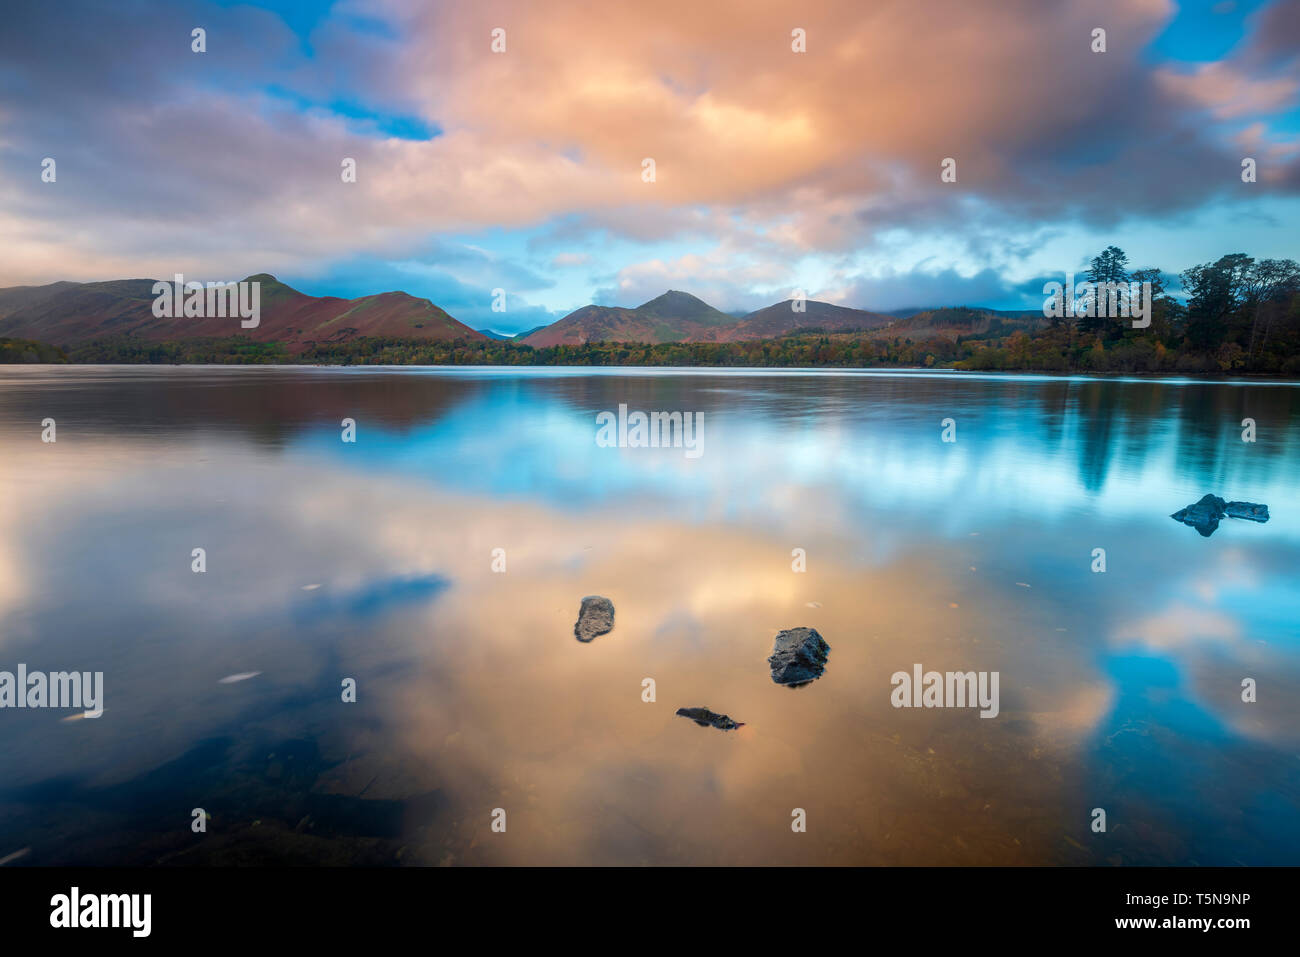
[(523, 169)]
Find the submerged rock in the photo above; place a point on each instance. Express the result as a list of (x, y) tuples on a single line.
[(710, 719), (595, 618), (798, 657), (1204, 515), (1248, 510)]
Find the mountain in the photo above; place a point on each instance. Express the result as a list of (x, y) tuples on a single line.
[(67, 312), (780, 319), (521, 336), (673, 317), (682, 307), (511, 336), (680, 317)]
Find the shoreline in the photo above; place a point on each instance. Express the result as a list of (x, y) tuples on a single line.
[(542, 369)]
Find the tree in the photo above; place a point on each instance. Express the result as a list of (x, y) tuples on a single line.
[(1107, 267), (1214, 292), (1153, 276), (1265, 281)]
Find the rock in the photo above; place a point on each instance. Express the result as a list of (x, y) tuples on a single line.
[(1256, 513), (798, 657), (710, 719), (1204, 516), (595, 618)]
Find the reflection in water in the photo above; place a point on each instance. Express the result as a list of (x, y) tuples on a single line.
[(376, 561)]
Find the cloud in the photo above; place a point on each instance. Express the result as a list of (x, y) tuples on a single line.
[(228, 162), (463, 292), (567, 260), (1275, 40), (724, 277), (1228, 94), (920, 288)]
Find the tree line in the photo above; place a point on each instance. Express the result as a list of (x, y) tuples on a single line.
[(1238, 315)]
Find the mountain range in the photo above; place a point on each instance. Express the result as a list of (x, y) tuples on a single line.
[(65, 313), (680, 317)]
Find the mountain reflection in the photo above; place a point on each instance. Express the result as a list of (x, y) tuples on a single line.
[(375, 561)]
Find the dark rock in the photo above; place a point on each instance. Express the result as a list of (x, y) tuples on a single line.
[(595, 618), (1204, 516), (798, 657), (710, 719), (1256, 513)]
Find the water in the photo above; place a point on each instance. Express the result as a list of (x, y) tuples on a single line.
[(373, 561)]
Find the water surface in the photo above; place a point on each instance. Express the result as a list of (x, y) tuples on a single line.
[(374, 561)]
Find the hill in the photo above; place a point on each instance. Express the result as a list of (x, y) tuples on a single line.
[(952, 322), (63, 313), (780, 319), (680, 317), (673, 317)]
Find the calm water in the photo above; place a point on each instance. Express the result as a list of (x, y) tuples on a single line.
[(373, 561)]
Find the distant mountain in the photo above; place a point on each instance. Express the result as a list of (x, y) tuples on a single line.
[(513, 336), (673, 317), (521, 336), (781, 319), (67, 312), (680, 317), (674, 306)]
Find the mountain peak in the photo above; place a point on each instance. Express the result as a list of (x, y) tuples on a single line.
[(674, 297), (675, 304)]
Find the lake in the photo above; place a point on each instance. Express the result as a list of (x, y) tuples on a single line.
[(437, 564)]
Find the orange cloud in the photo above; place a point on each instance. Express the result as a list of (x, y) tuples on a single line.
[(815, 151)]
